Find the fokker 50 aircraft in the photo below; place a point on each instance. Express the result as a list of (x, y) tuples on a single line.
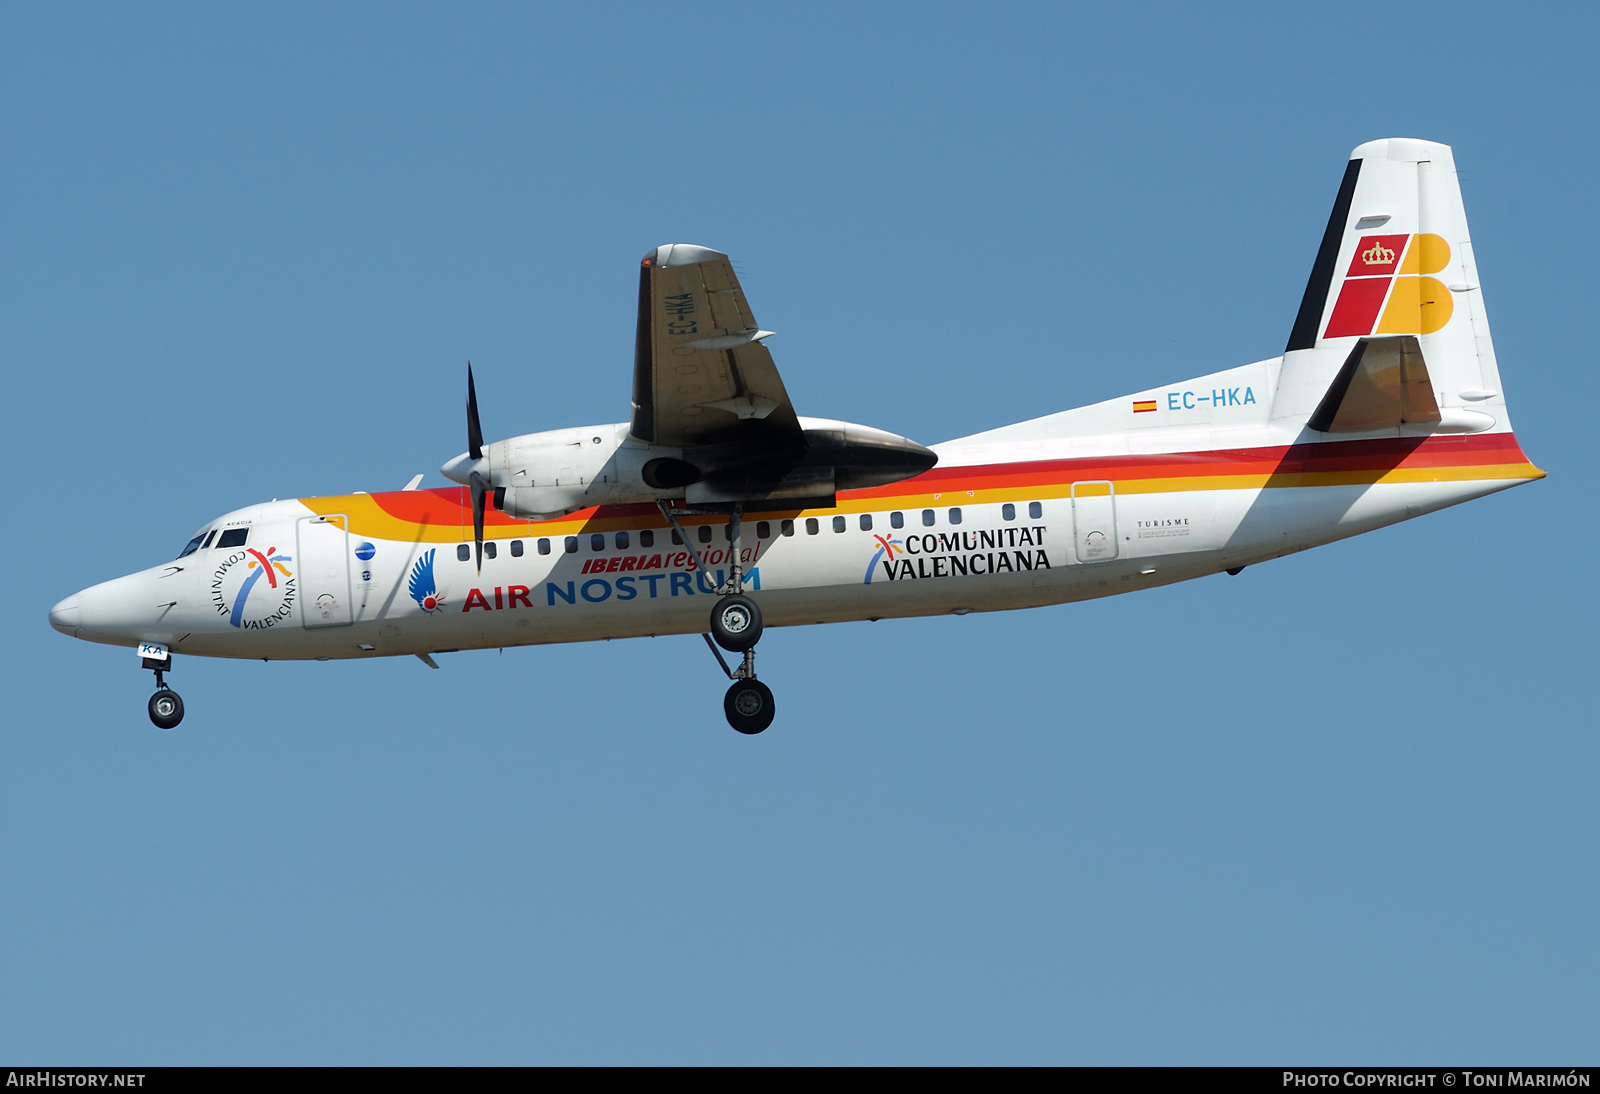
[(717, 508)]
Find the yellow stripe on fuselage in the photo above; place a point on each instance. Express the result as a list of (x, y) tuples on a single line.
[(369, 519)]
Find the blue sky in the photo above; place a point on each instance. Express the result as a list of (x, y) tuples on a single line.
[(1338, 808)]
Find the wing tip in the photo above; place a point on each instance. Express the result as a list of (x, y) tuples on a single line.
[(669, 255)]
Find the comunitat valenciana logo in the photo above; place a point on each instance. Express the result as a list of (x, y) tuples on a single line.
[(253, 589), (1388, 290)]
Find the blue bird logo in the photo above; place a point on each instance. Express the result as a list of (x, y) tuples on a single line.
[(421, 586)]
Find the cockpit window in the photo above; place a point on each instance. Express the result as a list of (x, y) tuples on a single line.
[(192, 546), (209, 536), (233, 537)]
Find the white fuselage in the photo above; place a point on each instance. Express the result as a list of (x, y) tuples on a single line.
[(1084, 504)]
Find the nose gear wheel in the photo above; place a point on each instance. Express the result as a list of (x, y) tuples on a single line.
[(166, 708)]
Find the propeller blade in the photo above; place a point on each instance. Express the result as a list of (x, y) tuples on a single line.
[(478, 488), (474, 430)]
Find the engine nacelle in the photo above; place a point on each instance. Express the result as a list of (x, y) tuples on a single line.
[(862, 455), (543, 475), (541, 502)]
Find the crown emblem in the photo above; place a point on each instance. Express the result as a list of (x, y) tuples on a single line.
[(1377, 255)]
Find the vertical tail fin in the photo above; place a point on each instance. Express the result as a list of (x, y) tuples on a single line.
[(1395, 268)]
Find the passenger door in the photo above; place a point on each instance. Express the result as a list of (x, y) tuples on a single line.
[(1094, 521), (323, 549)]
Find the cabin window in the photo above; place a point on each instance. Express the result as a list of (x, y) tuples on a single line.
[(927, 518), (1008, 511), (597, 542), (838, 524), (866, 522), (727, 533), (572, 545), (811, 526), (544, 546), (897, 519), (763, 530), (463, 552), (192, 546), (955, 516), (705, 533), (1035, 510), (234, 537), (677, 540), (516, 548), (490, 550), (211, 535), (787, 527), (647, 538), (622, 541)]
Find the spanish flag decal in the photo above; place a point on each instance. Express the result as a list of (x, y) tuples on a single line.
[(1143, 406)]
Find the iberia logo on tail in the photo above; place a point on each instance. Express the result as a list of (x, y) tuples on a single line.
[(1389, 274)]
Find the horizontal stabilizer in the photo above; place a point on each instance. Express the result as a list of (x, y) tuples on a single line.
[(1384, 384)]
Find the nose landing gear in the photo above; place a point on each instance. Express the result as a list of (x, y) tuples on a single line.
[(166, 707), (735, 626)]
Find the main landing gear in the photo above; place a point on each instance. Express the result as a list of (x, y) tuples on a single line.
[(166, 706), (736, 627)]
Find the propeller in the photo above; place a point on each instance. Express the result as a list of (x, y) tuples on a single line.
[(475, 451), (478, 486), (474, 430)]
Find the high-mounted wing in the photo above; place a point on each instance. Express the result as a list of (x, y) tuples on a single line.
[(701, 376)]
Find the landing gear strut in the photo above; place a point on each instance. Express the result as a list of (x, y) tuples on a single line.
[(735, 626), (166, 707)]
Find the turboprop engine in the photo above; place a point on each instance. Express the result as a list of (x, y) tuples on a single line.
[(549, 474), (543, 475)]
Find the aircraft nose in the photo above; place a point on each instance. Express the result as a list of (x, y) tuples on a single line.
[(118, 611), (66, 616)]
